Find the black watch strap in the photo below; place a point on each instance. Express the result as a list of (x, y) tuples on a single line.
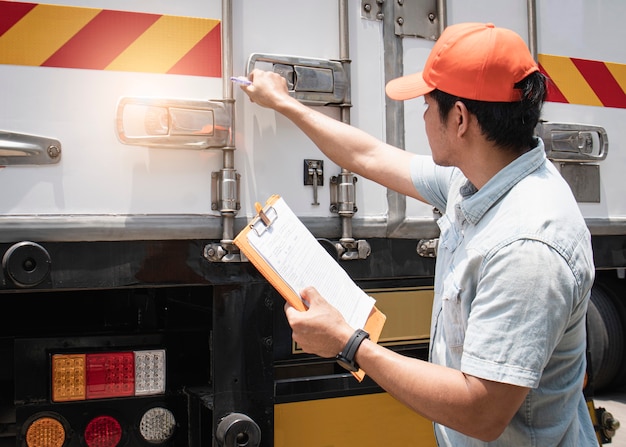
[(346, 357)]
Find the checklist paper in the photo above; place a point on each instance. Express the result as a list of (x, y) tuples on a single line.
[(290, 258)]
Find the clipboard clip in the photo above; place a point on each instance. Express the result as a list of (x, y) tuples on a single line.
[(264, 220)]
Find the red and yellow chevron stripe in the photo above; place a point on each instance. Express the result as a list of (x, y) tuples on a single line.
[(586, 82), (100, 39)]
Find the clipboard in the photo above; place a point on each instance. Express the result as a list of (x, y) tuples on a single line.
[(264, 227)]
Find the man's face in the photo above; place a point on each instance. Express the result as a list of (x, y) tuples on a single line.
[(437, 132)]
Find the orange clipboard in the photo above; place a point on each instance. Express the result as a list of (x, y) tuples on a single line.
[(263, 220)]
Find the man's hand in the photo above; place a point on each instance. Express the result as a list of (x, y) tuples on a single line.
[(268, 89), (321, 329)]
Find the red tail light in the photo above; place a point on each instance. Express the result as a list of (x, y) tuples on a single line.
[(103, 431), (110, 374)]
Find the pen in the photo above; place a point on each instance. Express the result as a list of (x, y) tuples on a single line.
[(241, 80)]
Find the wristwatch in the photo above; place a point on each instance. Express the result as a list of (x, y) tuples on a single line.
[(346, 357)]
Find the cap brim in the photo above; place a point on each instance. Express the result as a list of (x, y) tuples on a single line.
[(408, 87)]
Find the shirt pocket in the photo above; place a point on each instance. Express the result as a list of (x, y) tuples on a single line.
[(452, 316)]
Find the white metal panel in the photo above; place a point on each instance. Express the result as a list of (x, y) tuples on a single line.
[(505, 13), (583, 28), (368, 99), (271, 150), (97, 174), (594, 31)]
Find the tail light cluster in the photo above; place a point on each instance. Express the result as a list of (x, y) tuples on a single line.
[(100, 375)]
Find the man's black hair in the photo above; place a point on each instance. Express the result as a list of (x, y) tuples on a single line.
[(508, 124)]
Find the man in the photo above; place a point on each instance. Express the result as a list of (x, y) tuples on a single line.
[(514, 267)]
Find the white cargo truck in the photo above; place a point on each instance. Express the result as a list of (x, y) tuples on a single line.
[(129, 161)]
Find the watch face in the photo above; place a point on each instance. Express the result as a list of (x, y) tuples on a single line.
[(347, 365)]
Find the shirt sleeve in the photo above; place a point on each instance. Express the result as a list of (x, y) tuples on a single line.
[(524, 303), (431, 181)]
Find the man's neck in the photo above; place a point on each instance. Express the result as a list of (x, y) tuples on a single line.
[(485, 162)]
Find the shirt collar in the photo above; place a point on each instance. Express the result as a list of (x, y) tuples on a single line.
[(475, 203)]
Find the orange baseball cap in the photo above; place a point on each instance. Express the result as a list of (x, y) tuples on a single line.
[(470, 60)]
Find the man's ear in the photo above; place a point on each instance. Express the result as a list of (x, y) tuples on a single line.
[(461, 117)]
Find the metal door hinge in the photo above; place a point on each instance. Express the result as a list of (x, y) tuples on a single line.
[(412, 18), (343, 194), (225, 191), (372, 9), (343, 202), (225, 187), (427, 248), (352, 249)]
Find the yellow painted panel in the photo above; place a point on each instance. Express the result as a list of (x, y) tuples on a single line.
[(619, 73), (163, 44), (408, 314), (373, 420), (408, 311), (569, 80), (32, 40)]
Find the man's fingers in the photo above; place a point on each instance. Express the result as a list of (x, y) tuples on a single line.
[(311, 296), (289, 310)]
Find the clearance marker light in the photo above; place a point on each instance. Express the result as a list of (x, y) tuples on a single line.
[(45, 432), (103, 431), (107, 374)]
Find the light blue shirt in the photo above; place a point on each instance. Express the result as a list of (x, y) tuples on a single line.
[(513, 277)]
